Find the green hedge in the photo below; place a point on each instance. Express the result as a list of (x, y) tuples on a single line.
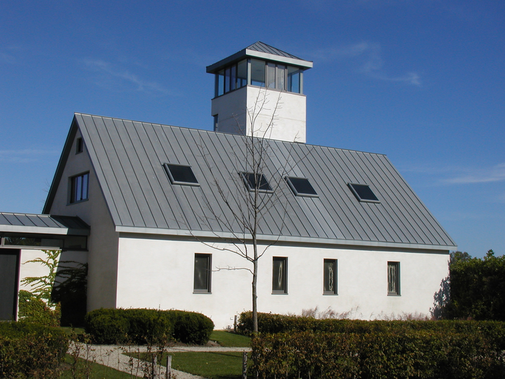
[(34, 309), (409, 354), (147, 326), (274, 323), (28, 350)]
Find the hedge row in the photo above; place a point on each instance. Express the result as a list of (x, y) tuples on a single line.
[(147, 326), (28, 350), (412, 354), (274, 323)]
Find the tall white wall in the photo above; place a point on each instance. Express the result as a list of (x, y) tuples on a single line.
[(102, 243), (278, 115), (158, 273)]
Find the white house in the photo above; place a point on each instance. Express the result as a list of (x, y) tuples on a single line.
[(344, 230)]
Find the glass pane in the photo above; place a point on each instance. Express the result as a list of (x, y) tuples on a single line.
[(330, 274), (301, 186), (242, 73), (201, 272), (279, 275), (78, 188), (293, 79), (181, 174), (233, 79), (270, 75), (220, 83), (227, 80), (280, 78), (85, 180), (256, 181), (257, 72)]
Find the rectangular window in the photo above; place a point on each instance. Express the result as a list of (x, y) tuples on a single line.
[(79, 146), (301, 186), (180, 174), (242, 73), (393, 278), (330, 277), (363, 192), (79, 188), (256, 182), (202, 273), (257, 73), (280, 77), (294, 79), (279, 275)]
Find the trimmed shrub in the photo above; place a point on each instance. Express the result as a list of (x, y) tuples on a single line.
[(147, 326), (29, 350), (190, 327), (34, 309), (411, 354)]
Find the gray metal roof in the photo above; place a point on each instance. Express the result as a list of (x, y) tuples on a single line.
[(128, 158), (263, 51), (42, 224)]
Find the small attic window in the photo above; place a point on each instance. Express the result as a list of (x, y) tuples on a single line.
[(180, 174), (363, 192), (256, 181), (301, 186), (79, 145)]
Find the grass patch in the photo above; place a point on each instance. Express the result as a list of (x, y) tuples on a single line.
[(96, 370), (209, 365), (228, 339)]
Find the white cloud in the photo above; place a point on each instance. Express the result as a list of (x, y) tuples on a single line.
[(112, 77), (479, 175), (368, 58)]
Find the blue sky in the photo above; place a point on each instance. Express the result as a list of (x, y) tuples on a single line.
[(420, 81)]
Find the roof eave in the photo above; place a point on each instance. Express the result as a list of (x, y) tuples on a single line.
[(245, 53), (285, 239)]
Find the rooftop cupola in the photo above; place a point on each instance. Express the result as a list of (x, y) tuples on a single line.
[(259, 91)]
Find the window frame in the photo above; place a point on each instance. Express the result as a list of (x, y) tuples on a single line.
[(207, 288), (394, 278), (246, 176), (326, 278), (76, 186), (168, 170), (292, 185), (281, 287), (356, 192)]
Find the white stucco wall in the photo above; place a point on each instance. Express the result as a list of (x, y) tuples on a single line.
[(280, 115), (158, 273)]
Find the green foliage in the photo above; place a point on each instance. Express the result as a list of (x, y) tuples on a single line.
[(42, 286), (410, 354), (30, 351), (477, 287), (191, 327), (35, 310), (151, 326)]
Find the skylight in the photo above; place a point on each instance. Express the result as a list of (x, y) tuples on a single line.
[(363, 192), (301, 186), (180, 174), (256, 181)]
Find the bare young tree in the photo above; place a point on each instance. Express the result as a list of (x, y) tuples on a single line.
[(255, 197)]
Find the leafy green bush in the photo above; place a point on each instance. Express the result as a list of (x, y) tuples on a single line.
[(29, 350), (34, 309), (151, 326), (190, 327), (274, 323), (410, 354)]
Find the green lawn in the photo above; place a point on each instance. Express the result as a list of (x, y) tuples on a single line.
[(96, 371), (228, 339), (209, 365)]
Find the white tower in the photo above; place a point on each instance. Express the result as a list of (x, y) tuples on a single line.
[(259, 91)]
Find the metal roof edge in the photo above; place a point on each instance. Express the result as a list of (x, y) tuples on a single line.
[(286, 239)]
